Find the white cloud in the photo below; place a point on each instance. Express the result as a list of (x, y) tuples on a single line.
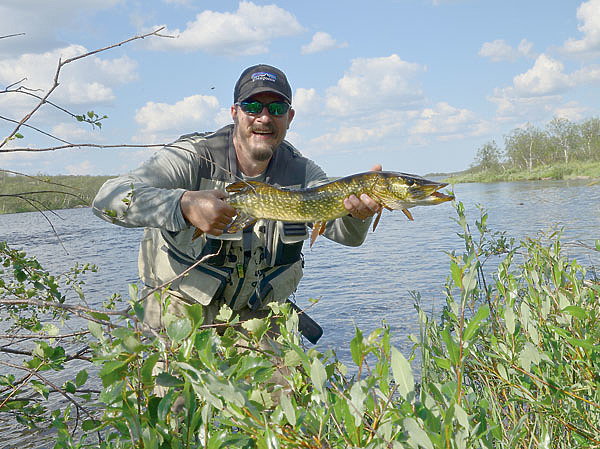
[(75, 132), (499, 50), (162, 122), (82, 168), (446, 121), (545, 77), (375, 83), (537, 93), (588, 14), (321, 41), (571, 111), (247, 31), (88, 80), (306, 101)]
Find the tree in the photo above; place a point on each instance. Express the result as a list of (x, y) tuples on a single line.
[(563, 139), (589, 132), (524, 147), (488, 157)]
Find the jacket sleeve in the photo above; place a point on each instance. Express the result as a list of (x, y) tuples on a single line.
[(149, 195), (346, 230)]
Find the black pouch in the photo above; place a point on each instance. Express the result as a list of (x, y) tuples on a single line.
[(284, 242)]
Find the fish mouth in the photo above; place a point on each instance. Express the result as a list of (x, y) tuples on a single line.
[(441, 197)]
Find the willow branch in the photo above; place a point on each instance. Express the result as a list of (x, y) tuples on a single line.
[(55, 83)]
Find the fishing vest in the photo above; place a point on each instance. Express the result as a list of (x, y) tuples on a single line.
[(261, 264)]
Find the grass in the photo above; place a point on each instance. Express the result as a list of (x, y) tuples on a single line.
[(27, 194), (573, 170)]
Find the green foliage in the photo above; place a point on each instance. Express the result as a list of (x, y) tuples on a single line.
[(92, 118), (27, 194), (511, 363), (561, 151)]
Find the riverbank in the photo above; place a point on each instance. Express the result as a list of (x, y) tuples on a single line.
[(574, 170), (28, 194)]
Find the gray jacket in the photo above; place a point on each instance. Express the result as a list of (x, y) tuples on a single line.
[(149, 197)]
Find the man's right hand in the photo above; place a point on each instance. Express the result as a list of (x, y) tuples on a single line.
[(206, 210)]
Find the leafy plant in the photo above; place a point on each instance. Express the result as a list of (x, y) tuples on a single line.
[(511, 363)]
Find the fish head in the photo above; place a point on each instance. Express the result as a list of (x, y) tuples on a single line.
[(402, 190)]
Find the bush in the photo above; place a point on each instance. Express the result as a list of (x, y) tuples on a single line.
[(511, 363)]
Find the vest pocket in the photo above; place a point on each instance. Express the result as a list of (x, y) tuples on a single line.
[(201, 284)]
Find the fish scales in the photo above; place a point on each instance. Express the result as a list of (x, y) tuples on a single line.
[(392, 190)]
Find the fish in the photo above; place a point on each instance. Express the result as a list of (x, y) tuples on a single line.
[(318, 205)]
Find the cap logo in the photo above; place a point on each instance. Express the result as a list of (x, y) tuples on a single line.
[(264, 76)]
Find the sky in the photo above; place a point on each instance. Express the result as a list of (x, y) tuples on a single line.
[(416, 85)]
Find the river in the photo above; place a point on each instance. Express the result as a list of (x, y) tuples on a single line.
[(362, 286)]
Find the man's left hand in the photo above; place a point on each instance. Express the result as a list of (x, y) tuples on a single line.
[(365, 206)]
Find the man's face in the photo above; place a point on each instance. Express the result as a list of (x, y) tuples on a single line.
[(257, 135)]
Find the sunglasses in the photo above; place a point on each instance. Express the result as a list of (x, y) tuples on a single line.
[(275, 108)]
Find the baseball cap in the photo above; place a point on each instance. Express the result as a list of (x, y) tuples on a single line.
[(261, 78)]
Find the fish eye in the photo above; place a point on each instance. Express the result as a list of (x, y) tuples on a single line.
[(409, 181)]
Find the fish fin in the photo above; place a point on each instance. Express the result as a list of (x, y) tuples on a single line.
[(376, 222), (241, 221), (408, 214), (242, 186), (317, 230)]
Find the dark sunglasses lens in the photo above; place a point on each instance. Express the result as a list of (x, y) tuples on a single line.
[(251, 107), (278, 108), (275, 108)]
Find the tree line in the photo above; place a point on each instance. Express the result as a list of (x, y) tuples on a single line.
[(529, 147)]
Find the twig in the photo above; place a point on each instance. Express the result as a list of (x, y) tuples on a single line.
[(12, 35), (55, 84), (35, 129), (50, 384)]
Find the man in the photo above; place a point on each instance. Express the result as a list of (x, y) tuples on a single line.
[(182, 188)]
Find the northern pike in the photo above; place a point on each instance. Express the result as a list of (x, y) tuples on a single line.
[(320, 204)]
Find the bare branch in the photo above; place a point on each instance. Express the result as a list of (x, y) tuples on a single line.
[(38, 179), (14, 35), (61, 64), (43, 337), (50, 384), (36, 129)]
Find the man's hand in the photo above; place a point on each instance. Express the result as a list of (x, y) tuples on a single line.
[(363, 207), (206, 210)]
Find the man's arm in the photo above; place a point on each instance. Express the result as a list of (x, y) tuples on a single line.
[(149, 196)]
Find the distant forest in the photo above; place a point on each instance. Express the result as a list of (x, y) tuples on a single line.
[(528, 148)]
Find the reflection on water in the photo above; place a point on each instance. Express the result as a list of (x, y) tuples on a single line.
[(363, 286)]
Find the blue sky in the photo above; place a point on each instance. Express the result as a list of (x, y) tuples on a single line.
[(417, 85)]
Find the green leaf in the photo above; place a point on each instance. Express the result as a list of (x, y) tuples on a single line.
[(178, 329), (70, 387), (90, 424), (456, 274), (357, 401), (112, 392), (168, 380), (81, 377), (288, 409), (148, 367), (416, 434), (356, 347), (576, 311), (509, 319), (442, 362), (451, 346), (318, 375), (482, 313), (256, 326), (403, 375)]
